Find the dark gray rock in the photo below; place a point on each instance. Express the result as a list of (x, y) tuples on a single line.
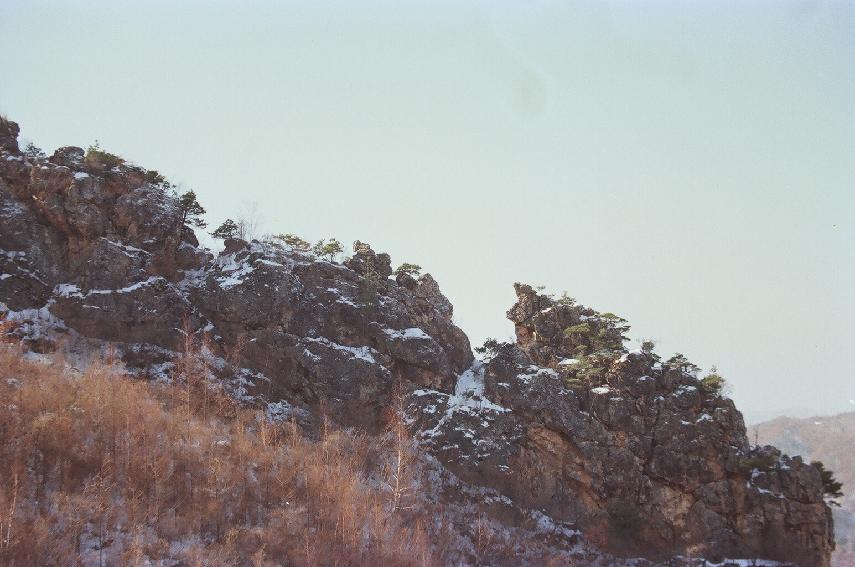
[(564, 422)]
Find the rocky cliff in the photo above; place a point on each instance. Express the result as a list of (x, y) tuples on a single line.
[(829, 439), (565, 428)]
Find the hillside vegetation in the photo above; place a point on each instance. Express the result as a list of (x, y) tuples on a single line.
[(97, 468)]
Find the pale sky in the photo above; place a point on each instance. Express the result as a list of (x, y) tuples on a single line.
[(687, 165)]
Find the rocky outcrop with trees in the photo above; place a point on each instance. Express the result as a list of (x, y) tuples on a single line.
[(564, 431)]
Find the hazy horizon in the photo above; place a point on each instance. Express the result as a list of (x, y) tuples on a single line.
[(686, 166)]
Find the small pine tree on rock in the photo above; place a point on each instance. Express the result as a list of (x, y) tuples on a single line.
[(610, 335), (295, 242), (369, 289), (98, 159), (408, 269), (228, 230), (648, 348), (565, 300), (577, 330), (830, 487), (490, 347), (34, 152), (680, 362), (713, 383), (328, 249), (153, 177), (191, 210)]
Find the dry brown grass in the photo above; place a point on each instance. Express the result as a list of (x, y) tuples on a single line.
[(98, 468)]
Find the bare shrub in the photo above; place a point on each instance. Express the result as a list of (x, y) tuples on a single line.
[(102, 468)]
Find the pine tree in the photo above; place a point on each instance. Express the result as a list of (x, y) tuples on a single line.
[(369, 289), (191, 210), (830, 486), (154, 177), (565, 300), (647, 347), (713, 382), (411, 270), (490, 348), (329, 249), (610, 335), (680, 362), (577, 330), (34, 152), (295, 242), (228, 230)]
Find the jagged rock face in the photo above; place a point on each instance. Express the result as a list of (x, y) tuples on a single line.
[(308, 326), (366, 262), (638, 455), (9, 135), (104, 251), (564, 425)]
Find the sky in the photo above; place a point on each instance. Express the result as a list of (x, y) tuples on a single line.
[(687, 165)]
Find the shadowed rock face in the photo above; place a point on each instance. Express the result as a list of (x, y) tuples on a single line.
[(828, 439), (638, 455), (564, 422), (106, 253)]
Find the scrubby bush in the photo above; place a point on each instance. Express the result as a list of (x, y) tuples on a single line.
[(369, 289), (98, 159), (713, 383), (105, 469), (762, 461), (574, 383), (589, 369), (577, 330)]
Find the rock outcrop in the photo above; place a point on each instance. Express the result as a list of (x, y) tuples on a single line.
[(565, 424), (828, 439), (104, 252), (639, 454)]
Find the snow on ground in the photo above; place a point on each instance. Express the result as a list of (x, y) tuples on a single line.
[(133, 287), (73, 290), (127, 249), (411, 333), (361, 353), (534, 371), (235, 271), (67, 290), (41, 314), (468, 398)]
